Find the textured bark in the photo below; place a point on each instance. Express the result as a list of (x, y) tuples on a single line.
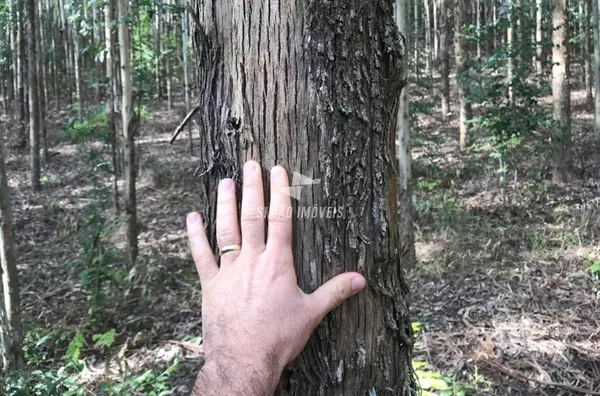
[(445, 54), (10, 315), (596, 22), (561, 90), (128, 132), (462, 59), (314, 86), (34, 133)]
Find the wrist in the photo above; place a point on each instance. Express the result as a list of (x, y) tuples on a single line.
[(236, 376)]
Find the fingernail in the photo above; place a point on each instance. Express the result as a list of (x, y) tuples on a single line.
[(250, 167), (358, 283), (193, 218)]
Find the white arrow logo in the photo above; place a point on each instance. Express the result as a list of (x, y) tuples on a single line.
[(298, 181)]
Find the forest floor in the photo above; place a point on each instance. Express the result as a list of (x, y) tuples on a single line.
[(500, 294)]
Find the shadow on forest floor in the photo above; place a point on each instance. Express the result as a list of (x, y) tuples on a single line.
[(500, 290)]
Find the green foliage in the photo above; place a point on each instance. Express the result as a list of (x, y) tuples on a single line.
[(92, 127), (594, 267), (74, 348)]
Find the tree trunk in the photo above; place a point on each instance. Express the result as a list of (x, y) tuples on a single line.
[(596, 22), (42, 90), (407, 236), (186, 79), (315, 87), (436, 33), (539, 37), (511, 39), (461, 53), (128, 132), (10, 311), (157, 52), (427, 26), (22, 68), (111, 101), (77, 66), (587, 53), (445, 54), (34, 133), (561, 91)]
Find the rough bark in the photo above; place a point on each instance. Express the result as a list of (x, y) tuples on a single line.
[(314, 86), (462, 67), (10, 315), (128, 131), (561, 91), (34, 133), (596, 22)]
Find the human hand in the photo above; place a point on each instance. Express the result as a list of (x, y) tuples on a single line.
[(255, 318)]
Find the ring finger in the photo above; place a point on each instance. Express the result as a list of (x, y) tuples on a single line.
[(228, 230)]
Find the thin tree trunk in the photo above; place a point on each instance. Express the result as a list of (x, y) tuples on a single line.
[(42, 90), (128, 132), (34, 132), (13, 48), (77, 66), (511, 39), (561, 92), (436, 33), (445, 54), (168, 27), (111, 101), (587, 53), (478, 16), (157, 52), (538, 36), (55, 66), (22, 68), (596, 22), (427, 26), (276, 85), (407, 236), (186, 79), (461, 53), (489, 27), (10, 311)]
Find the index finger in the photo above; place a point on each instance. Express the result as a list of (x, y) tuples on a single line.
[(201, 251)]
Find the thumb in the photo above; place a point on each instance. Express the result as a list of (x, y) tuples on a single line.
[(336, 291)]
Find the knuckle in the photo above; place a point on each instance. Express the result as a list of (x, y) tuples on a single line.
[(251, 217), (338, 295), (227, 235)]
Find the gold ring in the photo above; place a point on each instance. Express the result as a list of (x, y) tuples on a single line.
[(229, 248)]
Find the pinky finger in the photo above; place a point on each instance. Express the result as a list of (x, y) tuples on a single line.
[(201, 251)]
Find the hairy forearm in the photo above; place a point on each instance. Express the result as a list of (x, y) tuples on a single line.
[(231, 378)]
